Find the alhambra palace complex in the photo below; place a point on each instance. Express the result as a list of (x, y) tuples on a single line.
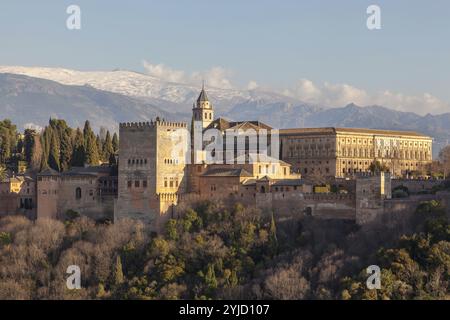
[(278, 173)]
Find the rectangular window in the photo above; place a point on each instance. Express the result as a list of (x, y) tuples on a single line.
[(129, 184), (137, 183), (144, 183)]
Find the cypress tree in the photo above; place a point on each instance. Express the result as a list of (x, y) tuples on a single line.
[(29, 141), (63, 133), (20, 146), (87, 131), (45, 142), (43, 163), (78, 153), (5, 146), (273, 241), (107, 148), (99, 144), (53, 156), (8, 140), (115, 143), (66, 149), (90, 145), (210, 277), (118, 272), (91, 155)]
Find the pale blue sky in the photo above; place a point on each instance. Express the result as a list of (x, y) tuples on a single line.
[(275, 43)]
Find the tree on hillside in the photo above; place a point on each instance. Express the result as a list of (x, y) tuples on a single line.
[(115, 142), (90, 144), (46, 139), (28, 144), (273, 235), (107, 148), (36, 153), (8, 140), (78, 150), (118, 272), (53, 156), (5, 146)]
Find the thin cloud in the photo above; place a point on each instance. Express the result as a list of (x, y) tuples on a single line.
[(337, 95), (218, 77)]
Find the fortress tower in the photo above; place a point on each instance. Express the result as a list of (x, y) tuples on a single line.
[(151, 175), (371, 193)]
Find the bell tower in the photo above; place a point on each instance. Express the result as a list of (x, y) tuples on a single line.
[(203, 109)]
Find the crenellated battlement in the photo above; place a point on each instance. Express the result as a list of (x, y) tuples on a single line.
[(152, 124)]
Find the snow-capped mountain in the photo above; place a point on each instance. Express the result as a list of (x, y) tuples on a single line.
[(136, 84), (31, 101)]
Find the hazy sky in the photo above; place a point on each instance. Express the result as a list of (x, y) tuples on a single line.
[(318, 51)]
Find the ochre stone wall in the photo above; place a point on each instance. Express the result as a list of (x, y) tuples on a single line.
[(343, 152), (148, 168)]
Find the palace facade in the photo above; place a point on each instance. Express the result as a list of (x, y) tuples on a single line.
[(342, 152)]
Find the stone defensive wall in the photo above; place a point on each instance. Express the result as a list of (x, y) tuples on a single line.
[(326, 206), (416, 185), (290, 204)]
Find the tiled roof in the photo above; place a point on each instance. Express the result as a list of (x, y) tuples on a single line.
[(249, 182), (219, 172), (381, 132), (334, 130), (223, 124), (202, 97), (77, 171), (87, 171), (259, 157), (289, 182)]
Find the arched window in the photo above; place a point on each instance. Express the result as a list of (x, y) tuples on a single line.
[(78, 193)]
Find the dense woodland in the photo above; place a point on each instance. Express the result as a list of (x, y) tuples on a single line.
[(57, 146), (214, 252)]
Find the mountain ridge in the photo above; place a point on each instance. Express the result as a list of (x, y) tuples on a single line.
[(26, 99)]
